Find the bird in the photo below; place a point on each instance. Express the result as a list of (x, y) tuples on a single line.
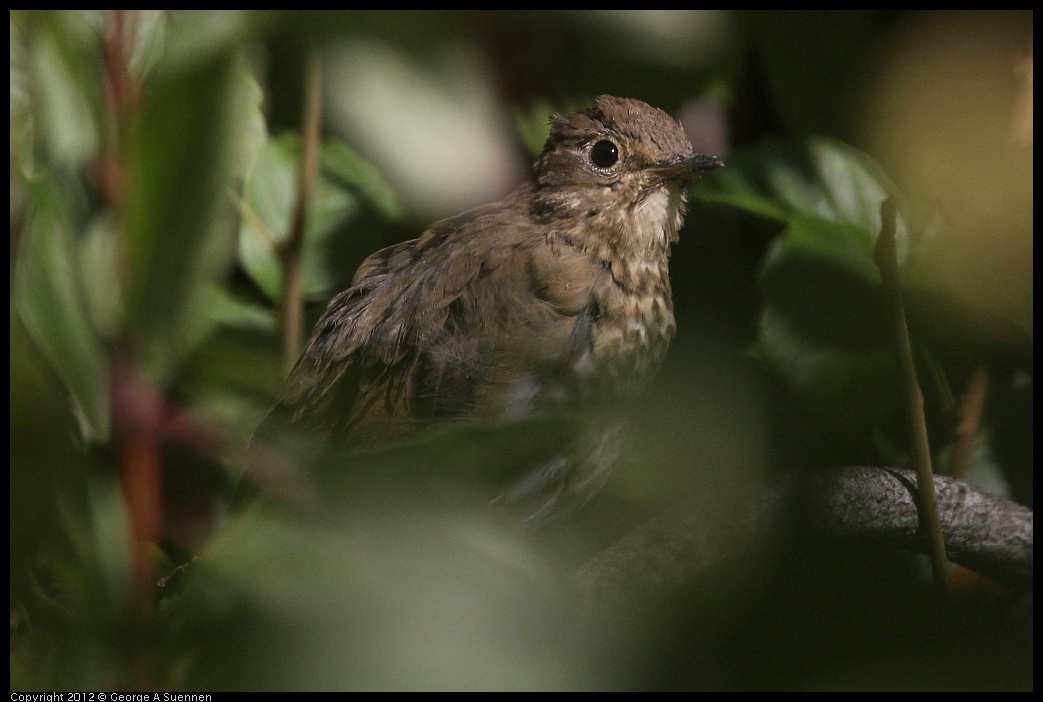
[(555, 298)]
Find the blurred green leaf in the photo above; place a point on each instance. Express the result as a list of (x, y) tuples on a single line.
[(973, 295), (148, 43), (97, 253), (370, 601), (49, 296), (81, 629), (70, 569), (96, 573), (234, 374), (46, 465), (194, 38), (533, 125), (227, 310), (349, 203), (182, 162), (435, 126), (67, 95), (342, 165), (21, 112)]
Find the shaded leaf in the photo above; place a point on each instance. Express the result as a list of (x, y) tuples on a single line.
[(820, 177), (821, 276), (821, 272), (341, 164), (842, 394)]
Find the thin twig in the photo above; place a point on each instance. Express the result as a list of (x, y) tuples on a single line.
[(123, 94), (135, 409), (140, 467), (137, 413), (886, 259), (290, 251)]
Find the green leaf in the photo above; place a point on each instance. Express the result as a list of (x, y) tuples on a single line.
[(21, 111), (821, 276), (820, 273), (820, 177), (343, 165), (97, 254), (533, 125), (178, 225), (47, 461), (349, 590), (48, 294), (825, 330), (349, 207), (66, 92), (840, 394)]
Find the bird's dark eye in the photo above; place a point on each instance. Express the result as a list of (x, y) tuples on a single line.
[(604, 154)]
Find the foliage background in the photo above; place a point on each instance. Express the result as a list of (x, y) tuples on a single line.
[(154, 171)]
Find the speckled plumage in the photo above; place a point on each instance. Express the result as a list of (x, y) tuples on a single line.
[(557, 295)]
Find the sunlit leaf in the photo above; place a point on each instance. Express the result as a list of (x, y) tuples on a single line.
[(349, 203), (341, 164), (67, 95)]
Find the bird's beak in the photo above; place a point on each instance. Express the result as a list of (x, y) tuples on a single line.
[(686, 167)]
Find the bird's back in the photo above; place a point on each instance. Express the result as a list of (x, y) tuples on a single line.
[(482, 318)]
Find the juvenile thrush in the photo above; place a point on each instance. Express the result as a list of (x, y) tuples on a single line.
[(530, 307)]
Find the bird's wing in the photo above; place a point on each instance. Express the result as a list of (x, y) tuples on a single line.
[(479, 318)]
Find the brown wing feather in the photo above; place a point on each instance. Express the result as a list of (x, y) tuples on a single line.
[(471, 320)]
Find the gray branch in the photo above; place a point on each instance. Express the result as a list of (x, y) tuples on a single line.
[(983, 532)]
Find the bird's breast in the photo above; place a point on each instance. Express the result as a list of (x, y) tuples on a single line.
[(630, 340)]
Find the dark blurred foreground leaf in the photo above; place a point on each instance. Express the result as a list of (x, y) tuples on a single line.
[(425, 599)]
